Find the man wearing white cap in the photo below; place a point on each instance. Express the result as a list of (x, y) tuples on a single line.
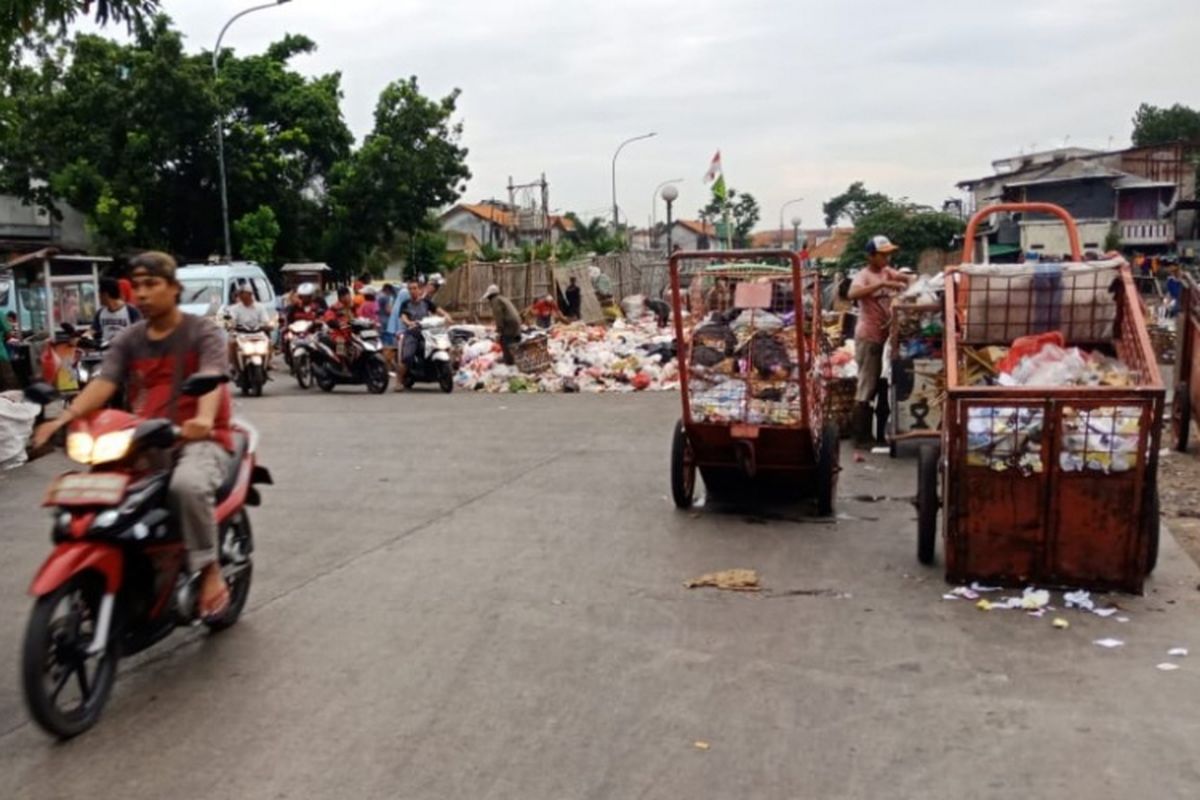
[(507, 319), (873, 289)]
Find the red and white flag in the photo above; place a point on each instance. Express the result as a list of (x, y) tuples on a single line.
[(714, 169)]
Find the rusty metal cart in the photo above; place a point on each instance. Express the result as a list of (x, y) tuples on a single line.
[(916, 386), (752, 397), (1050, 484), (1187, 364)]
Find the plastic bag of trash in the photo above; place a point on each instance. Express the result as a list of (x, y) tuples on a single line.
[(16, 426)]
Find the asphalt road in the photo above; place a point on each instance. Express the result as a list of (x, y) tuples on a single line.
[(481, 597)]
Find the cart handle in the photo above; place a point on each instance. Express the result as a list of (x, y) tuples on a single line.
[(979, 216)]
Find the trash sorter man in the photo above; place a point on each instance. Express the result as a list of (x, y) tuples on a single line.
[(873, 289)]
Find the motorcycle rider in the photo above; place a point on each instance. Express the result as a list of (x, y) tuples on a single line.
[(114, 314), (248, 314), (307, 305), (151, 360), (419, 306)]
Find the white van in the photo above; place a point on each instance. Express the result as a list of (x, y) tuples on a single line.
[(208, 288)]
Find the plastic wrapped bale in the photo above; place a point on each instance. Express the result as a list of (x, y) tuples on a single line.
[(16, 426)]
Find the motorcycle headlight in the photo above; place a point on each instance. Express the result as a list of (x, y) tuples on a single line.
[(79, 447), (112, 446), (441, 342), (257, 347)]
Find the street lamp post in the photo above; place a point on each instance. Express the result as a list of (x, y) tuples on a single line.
[(669, 193), (795, 233), (781, 210), (221, 124), (654, 202), (616, 222)]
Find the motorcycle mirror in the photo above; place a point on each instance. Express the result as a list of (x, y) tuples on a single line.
[(198, 385), (156, 433), (42, 394)]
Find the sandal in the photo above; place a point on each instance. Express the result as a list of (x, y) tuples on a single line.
[(211, 611)]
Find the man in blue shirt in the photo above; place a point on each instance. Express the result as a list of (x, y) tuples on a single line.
[(394, 330)]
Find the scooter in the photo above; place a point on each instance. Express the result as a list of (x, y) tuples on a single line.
[(432, 363), (298, 343), (356, 359), (250, 359), (117, 580)]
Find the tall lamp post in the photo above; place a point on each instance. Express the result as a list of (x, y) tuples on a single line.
[(221, 124), (616, 222), (796, 233), (669, 193), (654, 202), (781, 210)]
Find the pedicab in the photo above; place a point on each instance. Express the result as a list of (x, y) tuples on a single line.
[(1048, 468), (753, 406)]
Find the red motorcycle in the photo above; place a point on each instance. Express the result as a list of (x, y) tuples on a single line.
[(117, 580)]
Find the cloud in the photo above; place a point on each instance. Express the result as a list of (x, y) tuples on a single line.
[(802, 97)]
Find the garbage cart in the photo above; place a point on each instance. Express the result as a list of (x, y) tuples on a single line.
[(1048, 469), (753, 410)]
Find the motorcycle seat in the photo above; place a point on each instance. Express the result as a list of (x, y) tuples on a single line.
[(240, 442)]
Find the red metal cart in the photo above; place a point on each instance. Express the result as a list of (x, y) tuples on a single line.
[(1187, 364), (753, 410), (1055, 485)]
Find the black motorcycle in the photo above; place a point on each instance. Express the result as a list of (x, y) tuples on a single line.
[(348, 354)]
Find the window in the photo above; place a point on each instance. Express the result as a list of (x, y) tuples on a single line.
[(262, 291), (201, 290)]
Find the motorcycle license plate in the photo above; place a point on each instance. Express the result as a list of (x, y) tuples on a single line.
[(369, 334), (87, 489)]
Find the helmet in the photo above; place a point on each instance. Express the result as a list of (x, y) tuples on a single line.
[(306, 290)]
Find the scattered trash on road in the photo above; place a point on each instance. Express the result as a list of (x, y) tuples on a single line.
[(1178, 652), (734, 580), (701, 745), (1061, 624), (1109, 643), (1167, 666)]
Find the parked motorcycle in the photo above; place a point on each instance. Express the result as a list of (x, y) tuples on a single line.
[(432, 362), (91, 356), (352, 355), (250, 359), (117, 580)]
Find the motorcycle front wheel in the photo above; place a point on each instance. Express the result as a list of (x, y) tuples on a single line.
[(377, 375), (303, 369), (66, 687), (237, 568), (255, 378), (325, 381), (445, 377)]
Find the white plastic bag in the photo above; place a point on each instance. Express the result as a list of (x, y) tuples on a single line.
[(16, 426)]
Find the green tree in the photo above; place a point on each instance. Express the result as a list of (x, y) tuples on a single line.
[(257, 233), (1153, 125), (593, 236), (744, 214), (124, 133), (410, 162), (914, 228), (23, 17), (854, 203)]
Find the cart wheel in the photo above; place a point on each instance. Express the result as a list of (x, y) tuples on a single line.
[(1181, 411), (1155, 526), (927, 503), (683, 469), (827, 469)]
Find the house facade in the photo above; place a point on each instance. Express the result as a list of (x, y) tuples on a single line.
[(501, 226), (695, 235), (1144, 198)]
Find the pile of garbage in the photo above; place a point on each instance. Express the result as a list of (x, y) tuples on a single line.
[(626, 357), (1101, 439), (16, 425)]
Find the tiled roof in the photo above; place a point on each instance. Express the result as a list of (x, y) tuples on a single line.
[(833, 247), (697, 227)]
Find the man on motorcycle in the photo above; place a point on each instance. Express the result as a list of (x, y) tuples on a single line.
[(151, 360), (307, 305), (416, 308), (248, 315), (114, 314)]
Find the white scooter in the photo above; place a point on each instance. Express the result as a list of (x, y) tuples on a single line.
[(250, 360), (432, 362)]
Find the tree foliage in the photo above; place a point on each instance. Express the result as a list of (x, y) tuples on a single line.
[(593, 236), (744, 214), (854, 203), (914, 228), (1153, 125), (125, 133), (22, 17)]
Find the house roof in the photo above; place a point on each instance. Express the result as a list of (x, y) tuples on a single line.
[(311, 266), (697, 227), (503, 217), (832, 248)]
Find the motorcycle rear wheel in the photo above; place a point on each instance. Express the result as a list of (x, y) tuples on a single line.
[(56, 651), (377, 375), (445, 377), (325, 381)]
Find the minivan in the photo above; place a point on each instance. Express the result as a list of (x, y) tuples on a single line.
[(208, 288)]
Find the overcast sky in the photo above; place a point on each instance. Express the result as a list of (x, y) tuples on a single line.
[(801, 97)]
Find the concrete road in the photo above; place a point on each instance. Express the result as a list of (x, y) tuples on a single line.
[(481, 597)]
